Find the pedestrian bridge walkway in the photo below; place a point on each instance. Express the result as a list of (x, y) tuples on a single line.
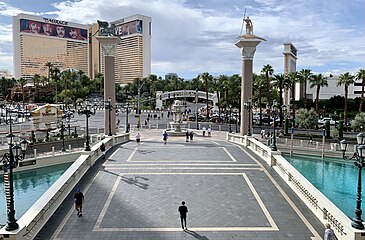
[(135, 193)]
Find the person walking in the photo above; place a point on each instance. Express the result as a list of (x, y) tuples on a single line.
[(164, 137), (183, 210), (138, 139), (102, 149), (187, 136), (79, 200), (191, 135), (209, 132)]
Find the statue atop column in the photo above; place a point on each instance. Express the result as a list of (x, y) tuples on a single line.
[(249, 26), (105, 29)]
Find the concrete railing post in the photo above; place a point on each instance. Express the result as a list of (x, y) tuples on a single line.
[(53, 151), (35, 153), (69, 148)]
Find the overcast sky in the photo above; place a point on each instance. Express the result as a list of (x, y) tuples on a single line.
[(194, 36)]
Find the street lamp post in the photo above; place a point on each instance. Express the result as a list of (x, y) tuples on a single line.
[(196, 108), (10, 161), (63, 136), (87, 111), (273, 145), (139, 104), (68, 115), (248, 106), (359, 156), (108, 105), (127, 119), (230, 115)]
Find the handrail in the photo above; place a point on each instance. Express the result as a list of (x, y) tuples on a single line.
[(313, 198)]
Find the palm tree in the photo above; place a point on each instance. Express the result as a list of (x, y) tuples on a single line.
[(206, 77), (217, 85), (304, 76), (361, 76), (346, 79), (292, 78), (268, 71), (280, 82), (55, 76), (258, 85), (36, 80), (49, 65), (22, 82), (318, 81)]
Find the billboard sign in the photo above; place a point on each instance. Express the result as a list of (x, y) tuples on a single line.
[(47, 28), (128, 28)]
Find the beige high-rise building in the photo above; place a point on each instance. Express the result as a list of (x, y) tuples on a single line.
[(38, 40), (133, 53), (290, 65)]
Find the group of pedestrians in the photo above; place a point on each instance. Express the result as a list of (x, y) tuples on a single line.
[(189, 135), (79, 200), (209, 130)]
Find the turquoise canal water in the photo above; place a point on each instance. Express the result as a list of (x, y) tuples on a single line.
[(337, 180), (29, 186)]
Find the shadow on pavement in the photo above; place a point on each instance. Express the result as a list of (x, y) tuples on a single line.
[(196, 235)]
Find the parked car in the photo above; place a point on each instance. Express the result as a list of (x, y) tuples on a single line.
[(323, 121), (55, 132), (193, 118)]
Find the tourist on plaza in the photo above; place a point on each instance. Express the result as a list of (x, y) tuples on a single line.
[(262, 133), (204, 129), (191, 135), (164, 137), (145, 123), (138, 139), (102, 149), (328, 233), (183, 210), (187, 136), (209, 132), (79, 200)]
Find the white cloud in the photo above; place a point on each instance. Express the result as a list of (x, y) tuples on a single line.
[(6, 33), (189, 39), (9, 11)]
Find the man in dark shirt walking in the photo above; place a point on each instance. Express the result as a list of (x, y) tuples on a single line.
[(183, 211), (79, 200)]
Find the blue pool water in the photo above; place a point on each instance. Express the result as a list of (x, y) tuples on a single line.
[(29, 186), (337, 180)]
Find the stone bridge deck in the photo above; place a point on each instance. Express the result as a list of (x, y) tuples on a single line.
[(135, 193)]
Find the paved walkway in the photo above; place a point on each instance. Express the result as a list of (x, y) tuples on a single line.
[(230, 195)]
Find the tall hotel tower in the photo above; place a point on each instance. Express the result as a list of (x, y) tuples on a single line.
[(38, 40), (133, 53)]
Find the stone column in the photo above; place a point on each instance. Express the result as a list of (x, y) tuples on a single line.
[(247, 43), (109, 45)]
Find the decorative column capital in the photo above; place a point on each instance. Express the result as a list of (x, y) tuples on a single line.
[(108, 44), (248, 43), (248, 53)]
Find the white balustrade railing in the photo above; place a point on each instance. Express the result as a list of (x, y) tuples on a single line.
[(319, 204), (42, 210)]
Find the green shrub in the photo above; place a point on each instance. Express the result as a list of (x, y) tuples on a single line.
[(340, 129), (327, 127)]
